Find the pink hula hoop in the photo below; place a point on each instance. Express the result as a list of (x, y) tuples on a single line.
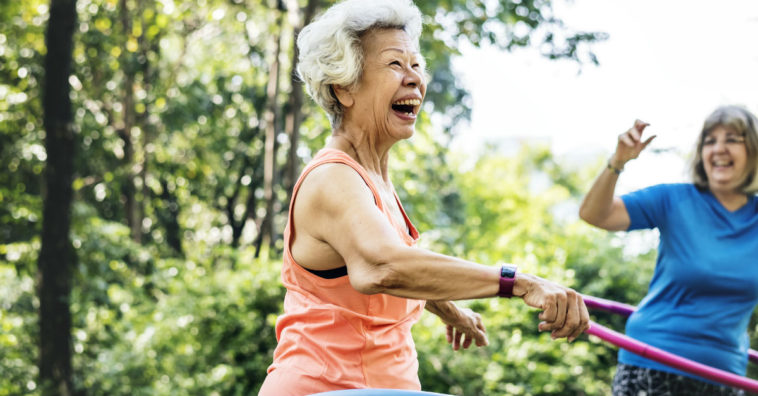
[(661, 356), (626, 310)]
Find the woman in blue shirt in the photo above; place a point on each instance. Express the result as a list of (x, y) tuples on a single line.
[(705, 285)]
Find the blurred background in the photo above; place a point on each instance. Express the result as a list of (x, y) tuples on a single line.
[(182, 128)]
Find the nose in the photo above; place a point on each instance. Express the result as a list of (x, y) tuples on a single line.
[(413, 77), (720, 145)]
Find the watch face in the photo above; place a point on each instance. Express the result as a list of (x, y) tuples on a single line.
[(508, 271)]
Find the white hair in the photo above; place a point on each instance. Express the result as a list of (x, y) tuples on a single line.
[(330, 46)]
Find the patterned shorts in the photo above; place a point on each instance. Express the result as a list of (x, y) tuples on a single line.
[(640, 381)]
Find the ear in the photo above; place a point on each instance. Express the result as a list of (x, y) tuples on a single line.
[(343, 95)]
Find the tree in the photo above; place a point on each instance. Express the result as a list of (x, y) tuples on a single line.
[(169, 295), (56, 257)]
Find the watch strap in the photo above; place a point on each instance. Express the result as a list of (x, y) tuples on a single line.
[(507, 279)]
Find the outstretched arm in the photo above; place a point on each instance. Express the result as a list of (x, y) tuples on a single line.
[(600, 207), (335, 206)]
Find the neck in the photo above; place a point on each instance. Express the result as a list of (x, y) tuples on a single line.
[(365, 148), (730, 199)]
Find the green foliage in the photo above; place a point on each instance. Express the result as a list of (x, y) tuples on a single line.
[(170, 103), (145, 325), (197, 325), (18, 324), (22, 155), (512, 211)]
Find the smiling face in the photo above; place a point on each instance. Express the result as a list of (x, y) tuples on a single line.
[(388, 97), (724, 159)]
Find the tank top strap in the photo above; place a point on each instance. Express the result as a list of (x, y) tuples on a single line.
[(327, 156)]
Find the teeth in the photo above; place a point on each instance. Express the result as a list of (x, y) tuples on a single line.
[(409, 102)]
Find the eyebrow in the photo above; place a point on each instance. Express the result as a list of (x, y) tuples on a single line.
[(416, 53), (727, 133)]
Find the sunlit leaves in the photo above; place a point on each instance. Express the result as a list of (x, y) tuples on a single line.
[(169, 98), (506, 213)]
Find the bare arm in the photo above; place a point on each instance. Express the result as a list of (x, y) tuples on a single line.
[(335, 206), (600, 207)]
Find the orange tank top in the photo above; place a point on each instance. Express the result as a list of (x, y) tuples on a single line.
[(332, 337)]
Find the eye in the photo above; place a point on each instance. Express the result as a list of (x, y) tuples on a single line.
[(709, 141), (395, 62)]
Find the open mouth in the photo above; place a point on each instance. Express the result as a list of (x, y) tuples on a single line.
[(722, 164), (409, 107)]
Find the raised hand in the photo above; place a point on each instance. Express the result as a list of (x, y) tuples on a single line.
[(630, 145), (563, 311)]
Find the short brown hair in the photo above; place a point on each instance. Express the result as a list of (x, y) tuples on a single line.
[(739, 120)]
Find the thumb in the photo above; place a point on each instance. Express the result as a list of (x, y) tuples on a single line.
[(646, 142)]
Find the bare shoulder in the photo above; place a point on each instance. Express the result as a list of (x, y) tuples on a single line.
[(329, 190), (327, 195)]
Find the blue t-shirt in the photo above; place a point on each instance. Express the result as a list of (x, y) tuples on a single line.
[(705, 285)]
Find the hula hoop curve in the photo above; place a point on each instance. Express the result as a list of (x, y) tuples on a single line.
[(626, 310), (658, 355)]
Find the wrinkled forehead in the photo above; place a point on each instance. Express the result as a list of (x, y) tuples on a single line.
[(379, 40)]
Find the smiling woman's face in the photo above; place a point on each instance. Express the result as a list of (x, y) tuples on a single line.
[(724, 159), (388, 97)]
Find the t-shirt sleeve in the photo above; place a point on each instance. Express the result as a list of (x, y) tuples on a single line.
[(647, 207)]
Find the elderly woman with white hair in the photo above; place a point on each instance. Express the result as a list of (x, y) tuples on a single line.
[(355, 282), (705, 285)]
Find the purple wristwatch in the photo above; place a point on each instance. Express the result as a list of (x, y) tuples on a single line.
[(507, 279)]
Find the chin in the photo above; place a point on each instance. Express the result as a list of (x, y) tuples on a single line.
[(408, 135), (403, 133), (725, 186)]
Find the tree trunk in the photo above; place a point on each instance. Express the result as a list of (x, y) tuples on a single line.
[(271, 117), (56, 257), (231, 204), (131, 205), (143, 119), (295, 115), (170, 218)]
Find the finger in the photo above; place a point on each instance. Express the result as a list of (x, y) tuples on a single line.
[(481, 339), (449, 334), (635, 134), (626, 140), (480, 325), (562, 308), (640, 125), (573, 318), (548, 315), (481, 335), (646, 142), (457, 342), (584, 318), (467, 341)]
